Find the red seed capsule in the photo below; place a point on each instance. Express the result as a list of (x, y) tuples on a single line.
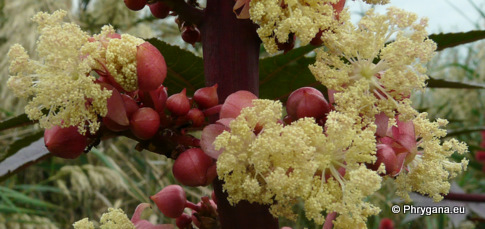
[(66, 142), (144, 123)]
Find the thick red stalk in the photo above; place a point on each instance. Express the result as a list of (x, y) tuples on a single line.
[(231, 57)]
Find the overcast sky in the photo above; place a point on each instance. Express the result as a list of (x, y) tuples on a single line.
[(443, 16)]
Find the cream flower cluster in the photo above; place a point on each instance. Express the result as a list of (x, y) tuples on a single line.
[(361, 58), (59, 84), (281, 19), (114, 218), (284, 164), (330, 167)]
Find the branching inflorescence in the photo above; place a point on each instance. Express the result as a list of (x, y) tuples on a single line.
[(331, 155)]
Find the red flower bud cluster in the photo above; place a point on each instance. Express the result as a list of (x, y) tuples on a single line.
[(158, 9), (172, 201)]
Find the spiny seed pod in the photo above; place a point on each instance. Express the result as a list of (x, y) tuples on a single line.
[(206, 97), (196, 117), (144, 123), (171, 201), (66, 142), (191, 34), (159, 9), (135, 4), (194, 168), (307, 102), (178, 103), (151, 68)]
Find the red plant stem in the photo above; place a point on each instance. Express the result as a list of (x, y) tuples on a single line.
[(329, 220), (465, 197), (231, 59)]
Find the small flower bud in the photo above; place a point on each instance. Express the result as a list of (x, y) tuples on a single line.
[(150, 68), (206, 97), (193, 168), (144, 123), (196, 117), (235, 102), (135, 4), (159, 98), (159, 9), (171, 201), (67, 142), (183, 221), (178, 103), (386, 223), (116, 106), (130, 105), (307, 102), (191, 34)]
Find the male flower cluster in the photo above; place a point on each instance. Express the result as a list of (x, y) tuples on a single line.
[(60, 84), (360, 60), (279, 165)]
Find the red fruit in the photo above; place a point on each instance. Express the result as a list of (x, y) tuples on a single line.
[(170, 201), (135, 4), (307, 102), (196, 117), (206, 97), (191, 34), (178, 103), (151, 68), (194, 168), (67, 142), (159, 9), (144, 123)]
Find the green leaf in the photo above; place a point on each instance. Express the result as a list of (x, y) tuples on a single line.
[(284, 73), (184, 69), (26, 156), (440, 83), (17, 121), (22, 142), (448, 40)]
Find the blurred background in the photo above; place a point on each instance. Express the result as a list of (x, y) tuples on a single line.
[(56, 192)]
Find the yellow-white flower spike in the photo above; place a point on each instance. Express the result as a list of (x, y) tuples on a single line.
[(284, 164), (278, 19), (59, 82), (121, 61), (430, 170), (357, 55)]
